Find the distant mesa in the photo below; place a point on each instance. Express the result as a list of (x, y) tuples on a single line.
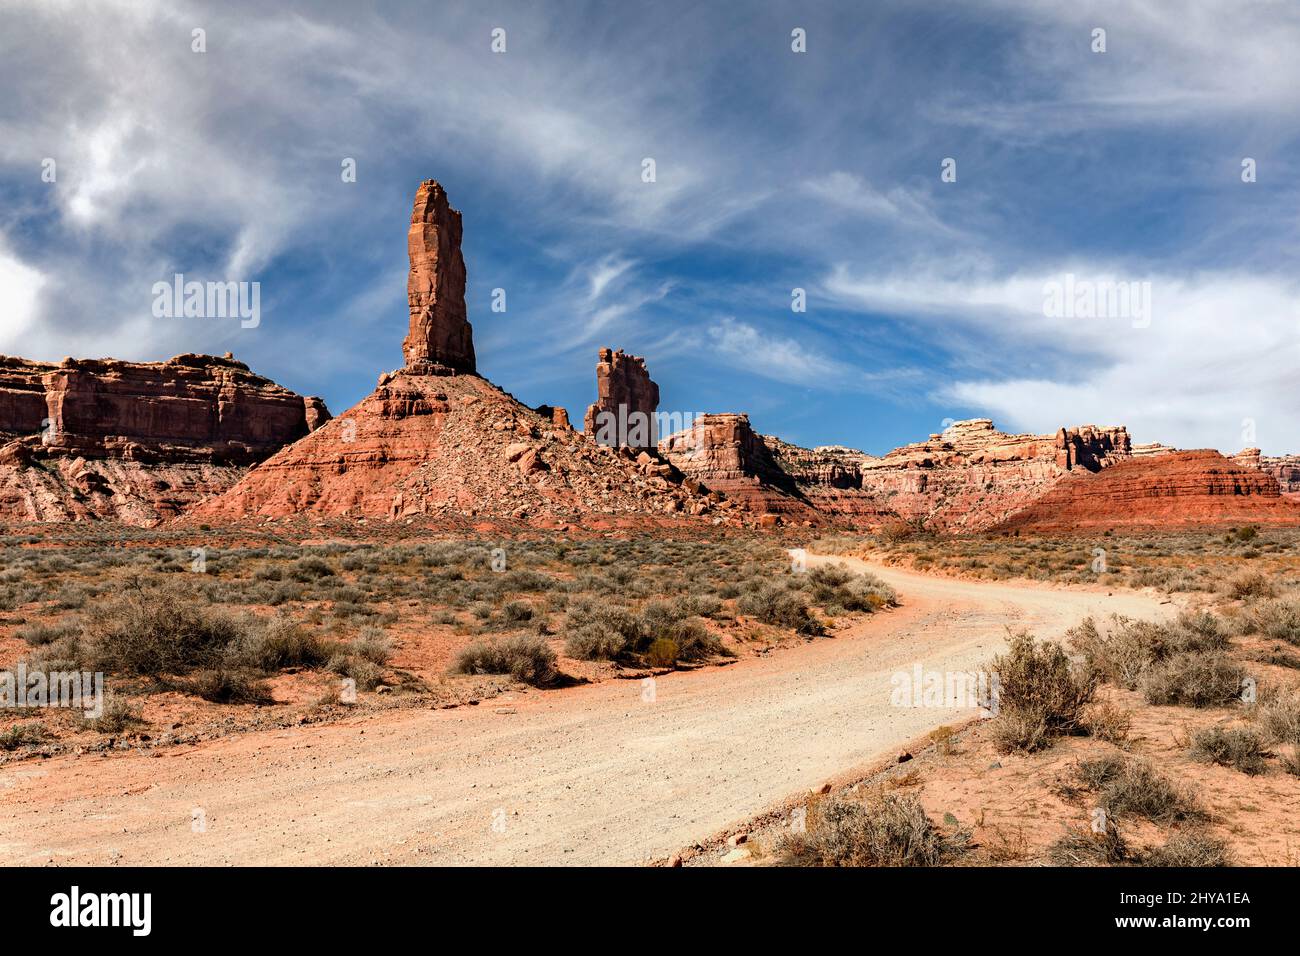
[(136, 441)]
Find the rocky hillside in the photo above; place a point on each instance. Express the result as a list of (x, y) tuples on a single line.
[(136, 441), (435, 440)]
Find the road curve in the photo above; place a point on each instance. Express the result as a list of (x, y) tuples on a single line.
[(587, 775)]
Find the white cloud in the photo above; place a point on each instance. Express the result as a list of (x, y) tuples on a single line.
[(1220, 350), (20, 287), (899, 206), (775, 357)]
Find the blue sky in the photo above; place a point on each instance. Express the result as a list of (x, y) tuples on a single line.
[(775, 170)]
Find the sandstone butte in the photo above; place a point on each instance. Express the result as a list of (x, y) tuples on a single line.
[(136, 441), (207, 439)]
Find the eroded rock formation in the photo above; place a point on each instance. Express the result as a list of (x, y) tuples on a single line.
[(1285, 468), (967, 478), (1178, 489), (136, 441), (440, 336), (452, 447), (626, 401)]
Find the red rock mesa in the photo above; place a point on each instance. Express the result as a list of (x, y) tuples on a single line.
[(136, 441)]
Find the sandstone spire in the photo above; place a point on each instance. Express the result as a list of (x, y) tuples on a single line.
[(626, 400), (440, 334)]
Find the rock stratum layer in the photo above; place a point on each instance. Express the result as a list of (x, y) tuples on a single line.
[(1179, 489), (439, 333), (136, 441)]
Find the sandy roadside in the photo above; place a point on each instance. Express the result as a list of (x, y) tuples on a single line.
[(588, 775)]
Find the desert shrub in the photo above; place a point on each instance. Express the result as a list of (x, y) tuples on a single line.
[(1189, 850), (367, 674), (1278, 619), (1083, 847), (835, 586), (1250, 585), (694, 641), (662, 652), (1107, 722), (609, 617), (1236, 747), (21, 735), (158, 630), (1202, 679), (773, 604), (1125, 653), (38, 635), (526, 579), (310, 568), (594, 642), (1291, 762), (517, 612), (886, 830), (277, 644), (1120, 655), (1136, 788), (1041, 694), (525, 657), (118, 714), (373, 645), (224, 685), (1278, 716)]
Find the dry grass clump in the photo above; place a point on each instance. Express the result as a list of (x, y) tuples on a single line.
[(1237, 747), (883, 830), (1041, 695), (1189, 850), (1278, 619), (1194, 680), (1250, 585), (1106, 721), (1131, 787), (525, 657), (1179, 662), (1081, 846), (663, 632)]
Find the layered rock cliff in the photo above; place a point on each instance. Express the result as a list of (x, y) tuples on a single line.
[(967, 478), (136, 441), (1285, 468), (1178, 489)]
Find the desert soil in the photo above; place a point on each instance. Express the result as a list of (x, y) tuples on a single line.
[(596, 774)]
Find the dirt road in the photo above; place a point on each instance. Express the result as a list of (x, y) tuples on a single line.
[(595, 774)]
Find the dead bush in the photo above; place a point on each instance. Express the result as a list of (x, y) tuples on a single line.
[(1235, 747), (884, 830), (525, 657), (1040, 694)]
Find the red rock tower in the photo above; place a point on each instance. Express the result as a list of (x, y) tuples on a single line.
[(626, 400), (440, 333)]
